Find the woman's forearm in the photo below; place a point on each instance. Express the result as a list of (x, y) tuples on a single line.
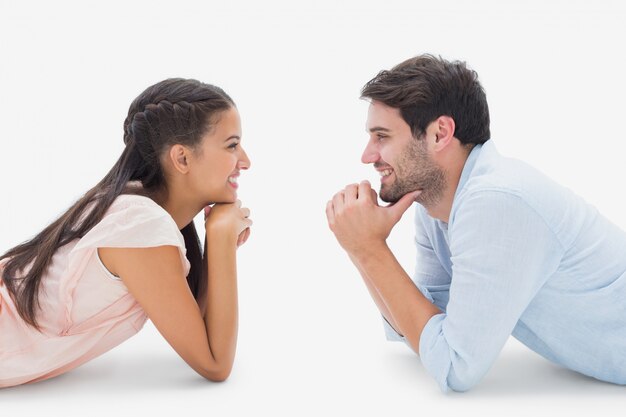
[(221, 316)]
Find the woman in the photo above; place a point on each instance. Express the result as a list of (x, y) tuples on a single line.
[(128, 249)]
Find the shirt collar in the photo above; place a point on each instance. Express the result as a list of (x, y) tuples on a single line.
[(467, 168)]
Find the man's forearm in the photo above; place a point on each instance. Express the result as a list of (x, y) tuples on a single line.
[(408, 309), (375, 295)]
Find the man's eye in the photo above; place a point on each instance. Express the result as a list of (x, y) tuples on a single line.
[(381, 137)]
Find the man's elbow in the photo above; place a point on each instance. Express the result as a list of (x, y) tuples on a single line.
[(460, 386), (464, 381)]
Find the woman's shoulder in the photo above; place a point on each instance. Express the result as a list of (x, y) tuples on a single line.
[(125, 201), (134, 220), (136, 208)]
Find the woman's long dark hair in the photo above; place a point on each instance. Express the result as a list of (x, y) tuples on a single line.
[(174, 111)]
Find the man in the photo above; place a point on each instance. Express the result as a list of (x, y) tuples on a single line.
[(501, 249)]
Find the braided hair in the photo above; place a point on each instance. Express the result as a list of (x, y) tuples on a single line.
[(173, 111)]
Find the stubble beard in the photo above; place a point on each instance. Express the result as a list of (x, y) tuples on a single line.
[(415, 171)]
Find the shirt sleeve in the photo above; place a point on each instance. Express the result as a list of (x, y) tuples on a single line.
[(430, 277), (131, 222), (430, 274), (502, 252)]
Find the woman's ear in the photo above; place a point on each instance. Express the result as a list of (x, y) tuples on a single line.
[(177, 156)]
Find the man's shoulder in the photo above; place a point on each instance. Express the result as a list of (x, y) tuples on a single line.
[(508, 176), (497, 181)]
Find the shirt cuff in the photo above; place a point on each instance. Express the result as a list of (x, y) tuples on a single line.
[(432, 346), (390, 334)]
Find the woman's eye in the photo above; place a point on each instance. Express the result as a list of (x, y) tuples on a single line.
[(233, 145)]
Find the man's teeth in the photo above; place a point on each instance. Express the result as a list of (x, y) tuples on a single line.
[(232, 180), (385, 172)]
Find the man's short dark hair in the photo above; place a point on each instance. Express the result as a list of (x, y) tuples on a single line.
[(426, 87)]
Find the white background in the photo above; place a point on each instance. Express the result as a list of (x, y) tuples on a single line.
[(311, 341)]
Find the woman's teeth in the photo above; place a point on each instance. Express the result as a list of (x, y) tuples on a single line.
[(232, 180)]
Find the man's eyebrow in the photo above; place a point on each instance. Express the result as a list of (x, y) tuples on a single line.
[(232, 137), (378, 129)]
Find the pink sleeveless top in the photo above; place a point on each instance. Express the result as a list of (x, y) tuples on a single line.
[(85, 310)]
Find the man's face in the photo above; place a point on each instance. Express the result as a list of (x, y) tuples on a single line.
[(402, 161)]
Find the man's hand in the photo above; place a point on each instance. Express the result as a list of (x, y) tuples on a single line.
[(358, 222)]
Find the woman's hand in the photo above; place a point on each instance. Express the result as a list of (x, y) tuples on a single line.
[(229, 220), (243, 237)]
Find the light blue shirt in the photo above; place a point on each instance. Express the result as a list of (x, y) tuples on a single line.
[(525, 256)]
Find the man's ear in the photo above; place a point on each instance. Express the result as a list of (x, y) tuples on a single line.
[(177, 156), (441, 132)]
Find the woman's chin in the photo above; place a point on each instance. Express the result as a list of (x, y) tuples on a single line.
[(225, 199)]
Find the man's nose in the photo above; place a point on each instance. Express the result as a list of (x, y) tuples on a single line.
[(370, 154)]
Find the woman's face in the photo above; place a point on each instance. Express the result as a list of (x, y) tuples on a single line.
[(218, 160)]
